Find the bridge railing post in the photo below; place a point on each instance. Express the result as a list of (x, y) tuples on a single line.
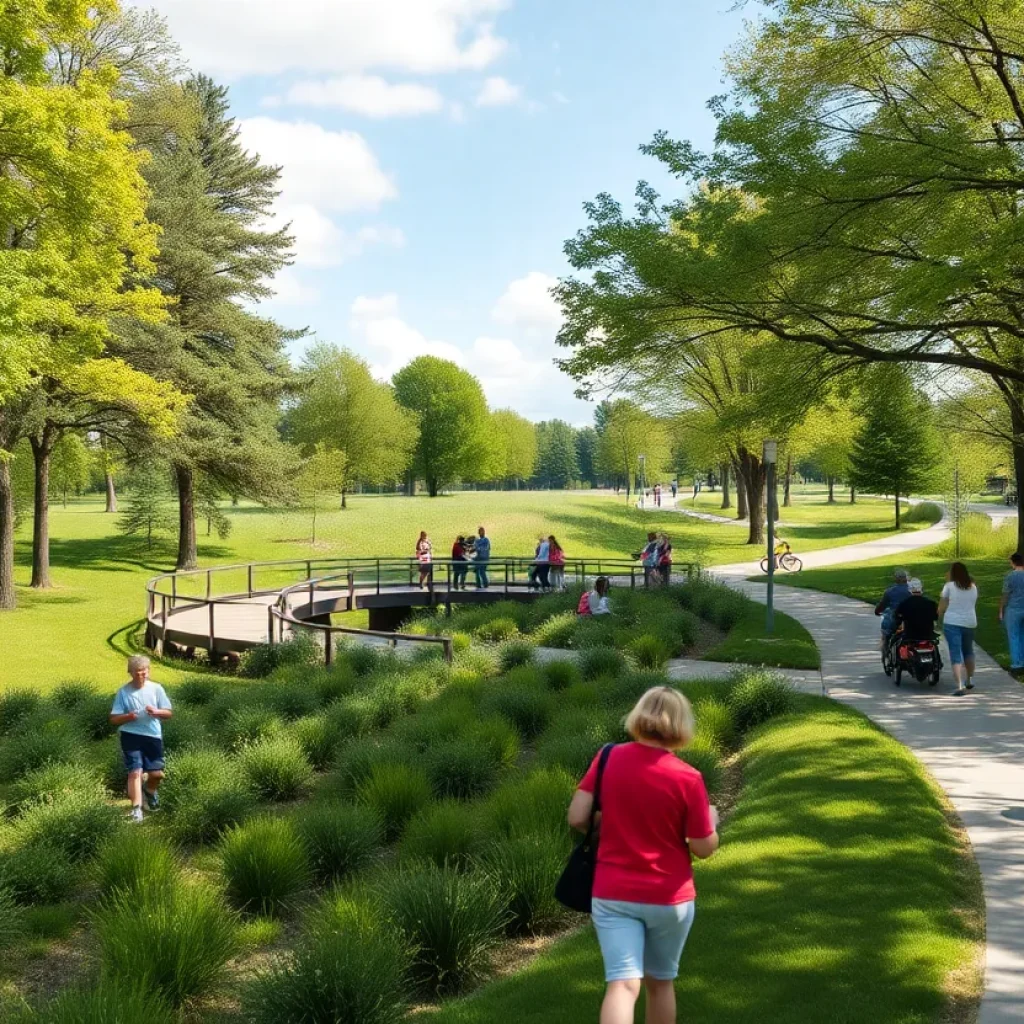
[(446, 643), (211, 606), (329, 647), (351, 591), (163, 615), (209, 584), (249, 578), (270, 625), (174, 591)]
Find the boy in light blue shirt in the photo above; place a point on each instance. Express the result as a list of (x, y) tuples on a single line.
[(138, 710)]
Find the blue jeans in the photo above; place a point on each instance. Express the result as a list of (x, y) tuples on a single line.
[(641, 940), (481, 574), (1013, 619), (961, 643)]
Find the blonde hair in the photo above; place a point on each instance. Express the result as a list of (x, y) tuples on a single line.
[(663, 716)]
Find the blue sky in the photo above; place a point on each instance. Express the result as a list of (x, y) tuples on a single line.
[(436, 154)]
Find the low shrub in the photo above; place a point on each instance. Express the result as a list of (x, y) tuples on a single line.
[(462, 768), (443, 834), (92, 717), (497, 631), (334, 683), (76, 822), (53, 781), (34, 874), (452, 920), (396, 792), (570, 752), (557, 631), (600, 662), (365, 659), (318, 738), (275, 768), (290, 700), (15, 707), (649, 652), (111, 1001), (353, 715), (461, 642), (703, 754), (923, 512), (533, 805), (498, 736), (196, 691), (715, 721), (40, 742), (561, 673), (581, 695), (301, 649), (436, 725), (265, 866), (514, 654), (340, 839), (186, 933), (757, 697), (592, 631), (184, 731), (134, 863), (204, 794), (525, 870), (350, 968), (249, 724), (67, 696), (527, 706)]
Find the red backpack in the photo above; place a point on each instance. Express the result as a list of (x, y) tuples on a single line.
[(584, 606)]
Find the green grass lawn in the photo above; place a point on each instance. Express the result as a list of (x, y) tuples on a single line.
[(789, 646), (867, 581), (80, 629), (840, 894)]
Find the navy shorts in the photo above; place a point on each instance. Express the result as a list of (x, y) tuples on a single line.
[(142, 753)]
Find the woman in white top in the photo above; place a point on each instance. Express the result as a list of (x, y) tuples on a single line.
[(958, 611)]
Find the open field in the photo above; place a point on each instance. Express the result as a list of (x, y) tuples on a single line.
[(79, 629), (823, 904)]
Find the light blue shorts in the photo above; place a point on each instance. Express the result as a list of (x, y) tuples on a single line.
[(961, 643), (641, 940)]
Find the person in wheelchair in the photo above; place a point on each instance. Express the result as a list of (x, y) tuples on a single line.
[(915, 617)]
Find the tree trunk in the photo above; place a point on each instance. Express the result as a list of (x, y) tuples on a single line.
[(742, 507), (853, 495), (8, 598), (897, 509), (1015, 403), (432, 487), (344, 498), (754, 478), (111, 492), (831, 490), (787, 494), (726, 496), (187, 555), (42, 447)]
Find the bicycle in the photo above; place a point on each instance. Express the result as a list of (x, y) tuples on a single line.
[(784, 559)]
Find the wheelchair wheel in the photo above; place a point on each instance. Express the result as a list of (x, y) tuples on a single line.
[(791, 563)]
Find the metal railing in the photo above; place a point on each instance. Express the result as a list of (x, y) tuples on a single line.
[(171, 592)]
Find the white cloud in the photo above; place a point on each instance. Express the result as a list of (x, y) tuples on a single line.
[(267, 37), (389, 342), (529, 304), (330, 170), (291, 290), (498, 92), (320, 242), (368, 95)]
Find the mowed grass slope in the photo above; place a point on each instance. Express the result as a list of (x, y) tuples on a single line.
[(77, 630), (840, 894)]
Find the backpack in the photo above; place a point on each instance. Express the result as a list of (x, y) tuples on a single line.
[(584, 606)]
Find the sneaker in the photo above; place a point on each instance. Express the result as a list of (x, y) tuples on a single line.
[(136, 814), (969, 684), (152, 799), (960, 692)]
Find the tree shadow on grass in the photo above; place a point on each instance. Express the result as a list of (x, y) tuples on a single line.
[(122, 554)]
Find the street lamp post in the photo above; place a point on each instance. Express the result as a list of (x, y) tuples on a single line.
[(643, 485), (771, 454)]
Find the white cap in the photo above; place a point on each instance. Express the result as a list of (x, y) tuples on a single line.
[(916, 586)]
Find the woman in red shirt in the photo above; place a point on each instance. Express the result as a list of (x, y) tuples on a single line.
[(654, 818)]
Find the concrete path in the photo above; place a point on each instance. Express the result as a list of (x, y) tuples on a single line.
[(973, 745)]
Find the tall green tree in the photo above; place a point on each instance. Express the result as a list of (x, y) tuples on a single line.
[(212, 200), (557, 461), (586, 455), (896, 449), (514, 447), (629, 432), (74, 238), (342, 408), (455, 439), (72, 460)]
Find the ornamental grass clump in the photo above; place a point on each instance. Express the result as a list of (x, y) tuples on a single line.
[(349, 968), (67, 696), (38, 874), (275, 768), (396, 792), (134, 863), (12, 919), (462, 768), (92, 717), (319, 739), (446, 833), (76, 822), (38, 741), (527, 705), (249, 724), (525, 870), (15, 707), (703, 754), (452, 920), (557, 631), (560, 674), (174, 943), (497, 631), (340, 839), (533, 805), (649, 652), (54, 780), (715, 721), (600, 663), (757, 697), (514, 654), (205, 793), (196, 691), (111, 1001), (265, 866)]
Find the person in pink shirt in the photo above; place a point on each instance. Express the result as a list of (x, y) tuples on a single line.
[(654, 819)]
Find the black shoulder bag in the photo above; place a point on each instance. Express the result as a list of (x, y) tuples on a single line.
[(576, 886)]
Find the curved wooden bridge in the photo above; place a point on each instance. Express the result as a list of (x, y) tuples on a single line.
[(228, 609)]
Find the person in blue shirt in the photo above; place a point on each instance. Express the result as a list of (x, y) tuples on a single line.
[(481, 556), (138, 710), (1011, 612), (891, 600)]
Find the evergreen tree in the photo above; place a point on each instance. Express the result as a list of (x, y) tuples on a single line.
[(212, 200), (208, 499), (557, 463), (148, 510), (586, 455), (895, 450)]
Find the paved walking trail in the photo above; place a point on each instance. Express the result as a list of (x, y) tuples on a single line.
[(973, 745)]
